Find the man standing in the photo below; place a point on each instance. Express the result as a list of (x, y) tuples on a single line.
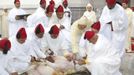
[(89, 13), (59, 18), (104, 59), (129, 13), (44, 20), (67, 11), (114, 25), (15, 21), (40, 11)]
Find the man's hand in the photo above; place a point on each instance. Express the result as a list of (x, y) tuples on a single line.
[(25, 18), (62, 27), (50, 59), (69, 57), (81, 62), (33, 59), (15, 73), (17, 17)]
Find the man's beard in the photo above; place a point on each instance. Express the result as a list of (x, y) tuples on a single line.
[(5, 52)]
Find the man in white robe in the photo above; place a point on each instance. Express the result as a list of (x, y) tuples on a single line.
[(55, 42), (114, 23), (67, 11), (129, 13), (104, 59), (44, 20), (6, 67), (59, 18), (20, 52), (16, 22), (35, 42), (40, 11), (85, 48), (89, 13)]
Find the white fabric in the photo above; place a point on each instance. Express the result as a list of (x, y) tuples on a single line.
[(20, 55), (3, 71), (105, 60), (35, 44), (57, 3), (14, 24), (66, 13), (119, 21), (90, 15), (5, 66), (85, 48), (59, 45), (32, 19)]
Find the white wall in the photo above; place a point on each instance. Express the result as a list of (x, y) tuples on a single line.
[(35, 3)]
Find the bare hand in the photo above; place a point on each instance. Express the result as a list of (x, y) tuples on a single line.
[(69, 57), (50, 59), (81, 62), (33, 59), (17, 18), (62, 27), (15, 73), (25, 18)]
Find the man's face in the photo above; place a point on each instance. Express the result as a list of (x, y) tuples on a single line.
[(40, 35), (89, 8), (21, 41), (54, 36), (124, 5), (60, 15), (17, 4), (93, 39), (82, 27), (65, 5), (4, 51), (43, 5), (49, 14)]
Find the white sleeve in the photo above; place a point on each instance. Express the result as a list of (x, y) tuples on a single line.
[(11, 16), (38, 52), (65, 47), (82, 47), (44, 44), (3, 71), (10, 67), (121, 23)]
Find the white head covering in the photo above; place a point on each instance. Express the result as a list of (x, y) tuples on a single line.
[(89, 5)]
